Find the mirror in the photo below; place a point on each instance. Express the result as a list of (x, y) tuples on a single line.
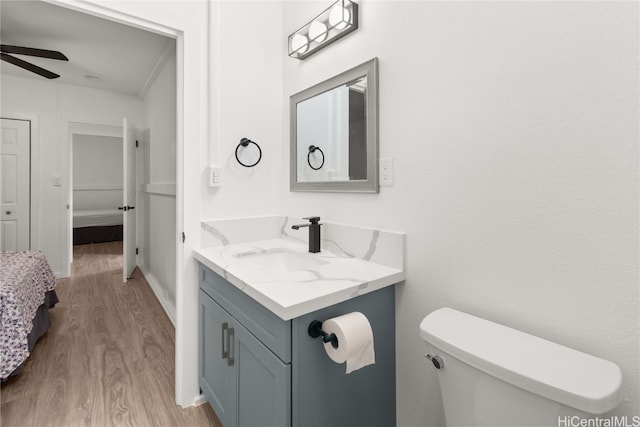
[(334, 133)]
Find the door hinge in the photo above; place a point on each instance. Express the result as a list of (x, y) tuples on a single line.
[(183, 237), (136, 143), (137, 252)]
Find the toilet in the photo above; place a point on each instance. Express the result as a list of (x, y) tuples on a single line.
[(493, 375)]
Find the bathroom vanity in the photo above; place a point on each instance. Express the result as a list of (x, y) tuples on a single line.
[(258, 364), (262, 284)]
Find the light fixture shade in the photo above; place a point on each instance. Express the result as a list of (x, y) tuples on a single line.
[(300, 43), (318, 31), (335, 22), (339, 17)]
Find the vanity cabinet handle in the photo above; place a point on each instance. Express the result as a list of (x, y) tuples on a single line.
[(230, 336), (225, 328)]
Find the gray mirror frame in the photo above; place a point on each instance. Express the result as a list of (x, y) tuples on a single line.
[(369, 185)]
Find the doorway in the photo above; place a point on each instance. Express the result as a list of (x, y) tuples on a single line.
[(188, 26), (103, 192), (95, 192), (97, 187)]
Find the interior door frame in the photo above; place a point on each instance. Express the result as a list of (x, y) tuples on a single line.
[(129, 142), (34, 172), (192, 111)]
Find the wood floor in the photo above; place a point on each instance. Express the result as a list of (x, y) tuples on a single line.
[(108, 359)]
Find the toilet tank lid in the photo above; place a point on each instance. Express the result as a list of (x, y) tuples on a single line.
[(551, 370)]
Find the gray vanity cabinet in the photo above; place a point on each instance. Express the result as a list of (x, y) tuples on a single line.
[(259, 370), (245, 383)]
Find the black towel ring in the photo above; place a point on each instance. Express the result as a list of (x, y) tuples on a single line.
[(313, 148), (244, 142)]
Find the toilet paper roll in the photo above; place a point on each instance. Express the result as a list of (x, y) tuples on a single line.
[(355, 340)]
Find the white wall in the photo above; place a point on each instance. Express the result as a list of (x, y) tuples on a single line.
[(97, 161), (246, 101), (514, 132), (160, 118), (159, 249), (53, 106), (97, 172)]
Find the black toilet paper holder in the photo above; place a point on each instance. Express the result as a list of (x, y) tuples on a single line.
[(315, 330)]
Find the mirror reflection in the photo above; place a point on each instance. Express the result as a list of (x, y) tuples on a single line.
[(332, 134), (334, 142)]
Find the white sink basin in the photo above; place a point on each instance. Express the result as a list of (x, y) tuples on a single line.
[(275, 262)]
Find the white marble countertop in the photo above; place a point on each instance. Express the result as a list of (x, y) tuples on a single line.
[(285, 278)]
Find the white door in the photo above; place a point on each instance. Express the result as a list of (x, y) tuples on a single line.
[(129, 200), (15, 178)]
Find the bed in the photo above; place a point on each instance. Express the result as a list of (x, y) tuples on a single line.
[(26, 295), (96, 226)]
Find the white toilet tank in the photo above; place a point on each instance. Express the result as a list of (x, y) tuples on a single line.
[(493, 375)]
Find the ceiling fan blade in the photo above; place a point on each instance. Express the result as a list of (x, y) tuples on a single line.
[(30, 51), (28, 66)]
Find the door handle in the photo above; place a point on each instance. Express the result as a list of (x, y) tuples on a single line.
[(225, 327), (130, 208), (230, 336), (122, 208), (8, 212)]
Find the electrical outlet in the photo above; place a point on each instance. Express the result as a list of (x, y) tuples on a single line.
[(386, 171)]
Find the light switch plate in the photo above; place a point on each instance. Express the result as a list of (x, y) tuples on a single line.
[(215, 173)]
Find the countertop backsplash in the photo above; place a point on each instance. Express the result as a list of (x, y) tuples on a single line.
[(378, 246)]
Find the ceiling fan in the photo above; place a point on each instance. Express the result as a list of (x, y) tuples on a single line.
[(5, 50)]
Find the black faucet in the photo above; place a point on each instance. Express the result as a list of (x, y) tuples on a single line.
[(314, 233)]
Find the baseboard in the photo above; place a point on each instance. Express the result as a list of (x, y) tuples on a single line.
[(199, 400), (167, 305)]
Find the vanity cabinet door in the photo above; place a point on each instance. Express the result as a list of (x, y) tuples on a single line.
[(264, 384), (217, 378), (246, 384)]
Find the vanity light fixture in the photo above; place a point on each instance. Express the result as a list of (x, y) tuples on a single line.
[(333, 23)]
